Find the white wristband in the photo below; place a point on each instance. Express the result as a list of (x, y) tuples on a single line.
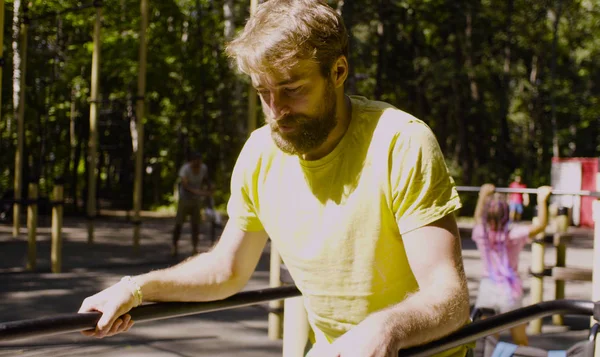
[(136, 291)]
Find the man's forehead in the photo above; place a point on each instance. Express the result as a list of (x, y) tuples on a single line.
[(274, 77)]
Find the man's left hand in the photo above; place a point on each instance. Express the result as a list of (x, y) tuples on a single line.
[(370, 338)]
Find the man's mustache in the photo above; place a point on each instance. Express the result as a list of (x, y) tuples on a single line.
[(287, 120)]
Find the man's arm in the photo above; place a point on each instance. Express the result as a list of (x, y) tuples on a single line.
[(215, 275), (210, 276), (441, 305)]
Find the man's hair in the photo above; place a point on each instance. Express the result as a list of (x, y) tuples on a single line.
[(195, 155), (283, 32), (496, 211)]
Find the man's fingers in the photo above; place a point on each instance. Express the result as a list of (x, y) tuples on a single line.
[(129, 325), (88, 333), (126, 318), (109, 315), (114, 329)]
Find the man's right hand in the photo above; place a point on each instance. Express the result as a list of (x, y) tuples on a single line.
[(113, 303)]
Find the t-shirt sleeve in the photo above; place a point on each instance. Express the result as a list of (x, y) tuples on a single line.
[(242, 204), (183, 171), (422, 189)]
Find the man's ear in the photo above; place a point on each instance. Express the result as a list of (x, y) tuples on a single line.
[(339, 71)]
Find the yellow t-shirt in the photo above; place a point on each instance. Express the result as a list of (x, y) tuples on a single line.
[(338, 221)]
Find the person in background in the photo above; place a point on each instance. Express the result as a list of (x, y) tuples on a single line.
[(500, 242), (516, 201), (193, 178)]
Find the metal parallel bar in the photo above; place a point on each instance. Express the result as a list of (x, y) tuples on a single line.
[(16, 330), (495, 324), (531, 191), (76, 322)]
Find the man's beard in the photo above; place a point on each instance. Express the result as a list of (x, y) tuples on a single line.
[(310, 131)]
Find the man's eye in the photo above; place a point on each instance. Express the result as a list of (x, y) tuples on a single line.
[(293, 90)]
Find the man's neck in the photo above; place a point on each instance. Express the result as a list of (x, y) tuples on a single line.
[(344, 116)]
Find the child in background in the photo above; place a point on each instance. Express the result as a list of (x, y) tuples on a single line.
[(500, 243), (516, 200)]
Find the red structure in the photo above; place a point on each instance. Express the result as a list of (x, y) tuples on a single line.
[(578, 173)]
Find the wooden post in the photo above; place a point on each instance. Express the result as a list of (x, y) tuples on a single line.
[(32, 218), (139, 150), (275, 315), (1, 47), (562, 224), (20, 125), (295, 327), (537, 282), (93, 140), (596, 266), (57, 222)]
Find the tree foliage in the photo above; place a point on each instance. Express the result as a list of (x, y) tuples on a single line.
[(505, 85)]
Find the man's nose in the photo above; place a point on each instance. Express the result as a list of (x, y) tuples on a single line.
[(278, 105)]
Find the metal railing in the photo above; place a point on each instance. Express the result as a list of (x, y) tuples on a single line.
[(11, 331), (531, 191)]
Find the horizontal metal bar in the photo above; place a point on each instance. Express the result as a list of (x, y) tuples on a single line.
[(531, 191), (501, 322), (16, 330)]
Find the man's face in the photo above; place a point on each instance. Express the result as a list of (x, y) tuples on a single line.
[(195, 163), (299, 106)]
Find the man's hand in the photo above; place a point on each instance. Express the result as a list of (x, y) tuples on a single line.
[(112, 302), (370, 338)]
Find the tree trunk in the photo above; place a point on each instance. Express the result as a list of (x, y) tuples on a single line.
[(555, 146), (16, 78), (505, 155), (383, 30), (346, 9), (229, 20)]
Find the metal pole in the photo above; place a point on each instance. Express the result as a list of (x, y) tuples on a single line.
[(93, 140), (20, 126), (12, 331), (139, 154), (15, 330)]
